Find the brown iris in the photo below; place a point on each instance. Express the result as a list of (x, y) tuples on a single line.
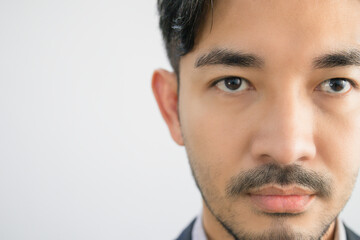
[(337, 84), (233, 83)]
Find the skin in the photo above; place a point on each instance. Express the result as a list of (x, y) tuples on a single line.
[(285, 115)]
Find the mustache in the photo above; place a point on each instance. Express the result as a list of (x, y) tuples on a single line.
[(275, 174)]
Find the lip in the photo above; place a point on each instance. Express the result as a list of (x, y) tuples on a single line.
[(273, 199)]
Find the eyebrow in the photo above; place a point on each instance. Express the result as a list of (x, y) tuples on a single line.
[(338, 59), (229, 57), (232, 58)]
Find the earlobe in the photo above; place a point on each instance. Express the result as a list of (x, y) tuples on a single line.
[(164, 86)]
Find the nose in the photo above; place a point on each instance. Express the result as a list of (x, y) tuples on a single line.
[(285, 131)]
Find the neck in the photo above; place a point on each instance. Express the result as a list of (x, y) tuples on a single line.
[(213, 229), (330, 233)]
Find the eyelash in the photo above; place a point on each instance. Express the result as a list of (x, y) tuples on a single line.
[(214, 83), (353, 83)]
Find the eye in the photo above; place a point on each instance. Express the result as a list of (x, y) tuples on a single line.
[(336, 85), (232, 84)]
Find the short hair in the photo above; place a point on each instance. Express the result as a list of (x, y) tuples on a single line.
[(179, 24)]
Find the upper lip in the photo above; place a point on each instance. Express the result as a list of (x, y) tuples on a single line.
[(281, 190)]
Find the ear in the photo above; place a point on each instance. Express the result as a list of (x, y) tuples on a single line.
[(164, 85)]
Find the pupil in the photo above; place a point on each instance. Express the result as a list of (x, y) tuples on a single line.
[(337, 84), (233, 83)]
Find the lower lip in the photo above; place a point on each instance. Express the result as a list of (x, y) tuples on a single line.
[(282, 203)]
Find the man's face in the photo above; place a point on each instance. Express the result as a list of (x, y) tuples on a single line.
[(269, 109)]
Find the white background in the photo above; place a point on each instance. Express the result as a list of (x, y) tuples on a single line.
[(84, 152)]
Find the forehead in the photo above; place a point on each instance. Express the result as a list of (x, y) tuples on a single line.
[(284, 27)]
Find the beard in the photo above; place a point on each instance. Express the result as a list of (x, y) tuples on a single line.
[(280, 228), (278, 231)]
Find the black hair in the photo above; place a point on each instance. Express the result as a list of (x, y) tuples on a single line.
[(179, 24)]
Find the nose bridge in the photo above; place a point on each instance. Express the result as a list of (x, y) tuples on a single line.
[(287, 115), (286, 130)]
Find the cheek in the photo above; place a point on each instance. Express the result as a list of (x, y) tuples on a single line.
[(338, 141), (215, 125), (216, 139)]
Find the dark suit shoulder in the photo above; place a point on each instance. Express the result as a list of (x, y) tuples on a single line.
[(186, 234), (350, 235)]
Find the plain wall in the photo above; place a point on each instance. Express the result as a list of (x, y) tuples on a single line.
[(84, 152)]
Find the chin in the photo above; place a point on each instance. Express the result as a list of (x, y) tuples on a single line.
[(281, 230), (259, 225)]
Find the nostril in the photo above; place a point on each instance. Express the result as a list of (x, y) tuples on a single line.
[(281, 150)]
